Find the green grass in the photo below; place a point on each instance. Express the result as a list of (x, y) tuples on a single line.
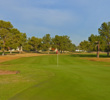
[(41, 79)]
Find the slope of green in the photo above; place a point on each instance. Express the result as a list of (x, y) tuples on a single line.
[(41, 79)]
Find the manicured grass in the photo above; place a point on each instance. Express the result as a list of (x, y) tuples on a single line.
[(41, 79)]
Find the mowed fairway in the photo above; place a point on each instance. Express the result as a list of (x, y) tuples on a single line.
[(41, 79)]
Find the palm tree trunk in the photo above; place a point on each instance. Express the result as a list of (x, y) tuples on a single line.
[(3, 53), (108, 50), (107, 53)]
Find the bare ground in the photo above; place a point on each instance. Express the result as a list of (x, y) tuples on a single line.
[(99, 59), (6, 72)]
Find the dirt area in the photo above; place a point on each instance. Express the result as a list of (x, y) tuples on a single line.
[(98, 59), (11, 57), (3, 72)]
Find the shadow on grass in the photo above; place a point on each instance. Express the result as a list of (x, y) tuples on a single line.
[(90, 55), (8, 53)]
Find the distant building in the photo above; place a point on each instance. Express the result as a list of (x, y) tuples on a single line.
[(79, 50)]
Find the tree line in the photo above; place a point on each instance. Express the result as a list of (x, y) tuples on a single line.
[(103, 40), (62, 43), (11, 38)]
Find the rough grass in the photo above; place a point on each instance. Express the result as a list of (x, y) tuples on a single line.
[(41, 79)]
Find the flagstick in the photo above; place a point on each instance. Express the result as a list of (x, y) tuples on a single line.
[(57, 59)]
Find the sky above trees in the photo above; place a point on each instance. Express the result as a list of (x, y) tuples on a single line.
[(75, 18)]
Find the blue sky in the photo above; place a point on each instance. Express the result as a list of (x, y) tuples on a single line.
[(76, 18)]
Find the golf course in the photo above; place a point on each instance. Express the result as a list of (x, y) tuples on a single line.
[(40, 78)]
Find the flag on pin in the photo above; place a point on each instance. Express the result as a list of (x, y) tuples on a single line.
[(57, 52)]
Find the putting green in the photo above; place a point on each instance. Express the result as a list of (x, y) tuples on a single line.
[(42, 79)]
